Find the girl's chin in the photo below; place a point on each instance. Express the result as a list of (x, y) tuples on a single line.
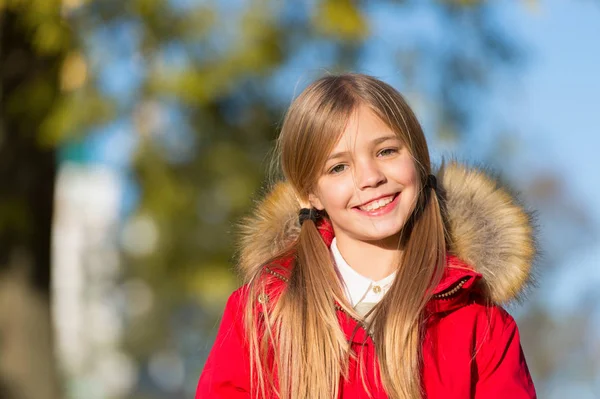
[(383, 235)]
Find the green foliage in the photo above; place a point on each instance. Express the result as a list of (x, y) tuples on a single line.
[(340, 19), (63, 108)]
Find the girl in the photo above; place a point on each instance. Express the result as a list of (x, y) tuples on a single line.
[(364, 278)]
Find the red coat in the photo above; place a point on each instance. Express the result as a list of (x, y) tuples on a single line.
[(471, 350), (471, 347)]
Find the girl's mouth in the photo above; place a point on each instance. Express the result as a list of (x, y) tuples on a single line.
[(380, 206)]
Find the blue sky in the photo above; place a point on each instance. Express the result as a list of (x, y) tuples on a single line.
[(558, 109), (560, 103)]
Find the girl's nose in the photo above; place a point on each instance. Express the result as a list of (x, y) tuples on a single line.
[(368, 174)]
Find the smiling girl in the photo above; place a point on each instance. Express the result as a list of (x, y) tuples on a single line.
[(364, 276)]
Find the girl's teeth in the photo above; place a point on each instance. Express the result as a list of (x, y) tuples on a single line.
[(372, 206)]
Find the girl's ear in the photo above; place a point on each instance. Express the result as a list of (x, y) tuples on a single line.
[(315, 201)]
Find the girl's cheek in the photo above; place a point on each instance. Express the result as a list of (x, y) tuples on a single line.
[(340, 192), (409, 170)]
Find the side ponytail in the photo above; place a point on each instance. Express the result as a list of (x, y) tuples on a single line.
[(397, 322), (297, 347), (309, 331)]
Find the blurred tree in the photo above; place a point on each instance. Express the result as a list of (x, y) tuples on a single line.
[(40, 71), (33, 45)]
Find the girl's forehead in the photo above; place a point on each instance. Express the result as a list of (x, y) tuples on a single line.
[(364, 128)]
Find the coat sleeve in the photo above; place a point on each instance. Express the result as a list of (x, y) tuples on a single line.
[(226, 372), (501, 366)]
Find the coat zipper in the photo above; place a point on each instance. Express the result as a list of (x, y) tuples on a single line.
[(452, 290)]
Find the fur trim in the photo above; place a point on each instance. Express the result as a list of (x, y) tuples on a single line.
[(269, 230), (488, 230)]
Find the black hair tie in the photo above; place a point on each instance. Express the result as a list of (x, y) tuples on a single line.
[(431, 182), (308, 214)]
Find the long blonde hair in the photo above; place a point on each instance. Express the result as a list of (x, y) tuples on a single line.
[(297, 347)]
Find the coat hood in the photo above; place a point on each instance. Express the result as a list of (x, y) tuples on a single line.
[(489, 230)]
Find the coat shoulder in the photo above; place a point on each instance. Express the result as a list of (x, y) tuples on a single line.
[(477, 313), (475, 350), (476, 330)]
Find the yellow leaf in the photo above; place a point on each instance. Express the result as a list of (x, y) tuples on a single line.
[(71, 5), (212, 284), (340, 19), (73, 74)]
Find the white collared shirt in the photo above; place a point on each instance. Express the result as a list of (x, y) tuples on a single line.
[(357, 287)]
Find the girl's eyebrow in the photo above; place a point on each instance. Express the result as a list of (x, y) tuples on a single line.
[(340, 154), (376, 141), (380, 140)]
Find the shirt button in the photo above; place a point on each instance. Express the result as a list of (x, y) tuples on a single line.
[(377, 289), (263, 298)]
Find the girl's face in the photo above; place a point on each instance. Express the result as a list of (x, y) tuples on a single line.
[(369, 183)]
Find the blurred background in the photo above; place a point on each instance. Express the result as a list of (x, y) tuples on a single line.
[(134, 134)]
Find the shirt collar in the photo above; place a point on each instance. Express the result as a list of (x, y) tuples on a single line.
[(356, 285)]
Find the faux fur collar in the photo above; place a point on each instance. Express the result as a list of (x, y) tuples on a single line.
[(489, 230)]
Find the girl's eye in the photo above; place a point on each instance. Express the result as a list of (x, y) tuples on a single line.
[(388, 151), (338, 169)]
